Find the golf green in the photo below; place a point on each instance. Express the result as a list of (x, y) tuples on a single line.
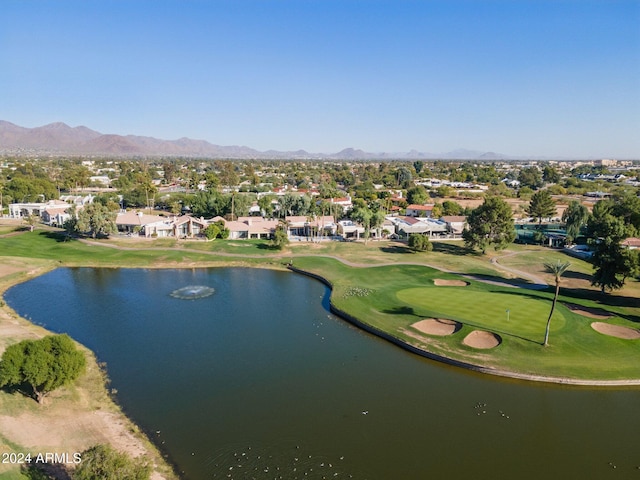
[(509, 313)]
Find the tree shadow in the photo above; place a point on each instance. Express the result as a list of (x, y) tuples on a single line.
[(576, 275), (396, 249), (45, 471), (59, 237), (604, 300), (506, 282), (452, 249), (266, 246), (23, 390), (402, 310)]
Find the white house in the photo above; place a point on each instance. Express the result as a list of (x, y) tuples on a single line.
[(23, 210)]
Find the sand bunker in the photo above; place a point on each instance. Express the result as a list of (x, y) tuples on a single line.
[(437, 326), (589, 312), (618, 331), (449, 283), (482, 339)]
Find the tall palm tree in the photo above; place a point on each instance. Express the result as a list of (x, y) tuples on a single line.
[(557, 269)]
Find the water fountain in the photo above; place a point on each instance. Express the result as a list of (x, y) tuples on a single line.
[(192, 292)]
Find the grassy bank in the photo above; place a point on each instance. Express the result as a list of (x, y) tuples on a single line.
[(396, 297)]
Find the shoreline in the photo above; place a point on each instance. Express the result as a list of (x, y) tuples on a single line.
[(32, 268), (74, 417), (456, 363)]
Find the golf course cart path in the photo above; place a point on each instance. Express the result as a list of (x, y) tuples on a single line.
[(538, 282)]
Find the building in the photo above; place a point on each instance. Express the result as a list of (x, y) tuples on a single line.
[(144, 225), (419, 210), (455, 223), (23, 210)]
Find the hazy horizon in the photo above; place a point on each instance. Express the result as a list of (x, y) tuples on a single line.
[(533, 78)]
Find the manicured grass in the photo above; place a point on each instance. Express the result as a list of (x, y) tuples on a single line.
[(4, 229), (395, 294), (404, 294), (526, 317)]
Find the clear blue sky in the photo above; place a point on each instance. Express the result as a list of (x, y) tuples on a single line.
[(529, 77)]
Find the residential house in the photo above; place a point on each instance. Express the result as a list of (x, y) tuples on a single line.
[(301, 226), (455, 223), (55, 216), (407, 225), (249, 227), (144, 225), (344, 202), (350, 230), (187, 226), (631, 243), (414, 210), (23, 210)]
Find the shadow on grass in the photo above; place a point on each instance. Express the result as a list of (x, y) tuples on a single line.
[(452, 249), (403, 310), (267, 246), (605, 299), (577, 275), (396, 249), (45, 471), (23, 390), (58, 236), (494, 279), (569, 295)]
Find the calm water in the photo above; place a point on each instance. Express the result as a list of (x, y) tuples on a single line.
[(260, 381)]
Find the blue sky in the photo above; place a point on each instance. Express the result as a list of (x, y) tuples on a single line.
[(529, 77)]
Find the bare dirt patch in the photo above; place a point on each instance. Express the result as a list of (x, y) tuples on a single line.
[(617, 331), (482, 339), (437, 326), (589, 312), (439, 282)]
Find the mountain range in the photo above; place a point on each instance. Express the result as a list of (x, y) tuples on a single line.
[(61, 139)]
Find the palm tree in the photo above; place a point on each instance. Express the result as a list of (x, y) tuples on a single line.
[(557, 269)]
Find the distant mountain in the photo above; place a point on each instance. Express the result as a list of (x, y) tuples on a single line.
[(60, 138)]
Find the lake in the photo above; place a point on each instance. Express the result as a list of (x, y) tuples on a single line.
[(259, 380)]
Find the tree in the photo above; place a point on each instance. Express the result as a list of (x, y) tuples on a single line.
[(550, 175), (96, 219), (32, 220), (612, 262), (266, 205), (490, 223), (417, 195), (541, 206), (212, 231), (557, 269), (450, 207), (102, 462), (280, 238), (420, 243), (530, 177), (363, 215), (43, 365), (575, 217), (403, 177)]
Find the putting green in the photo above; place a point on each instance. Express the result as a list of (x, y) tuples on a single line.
[(512, 313)]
